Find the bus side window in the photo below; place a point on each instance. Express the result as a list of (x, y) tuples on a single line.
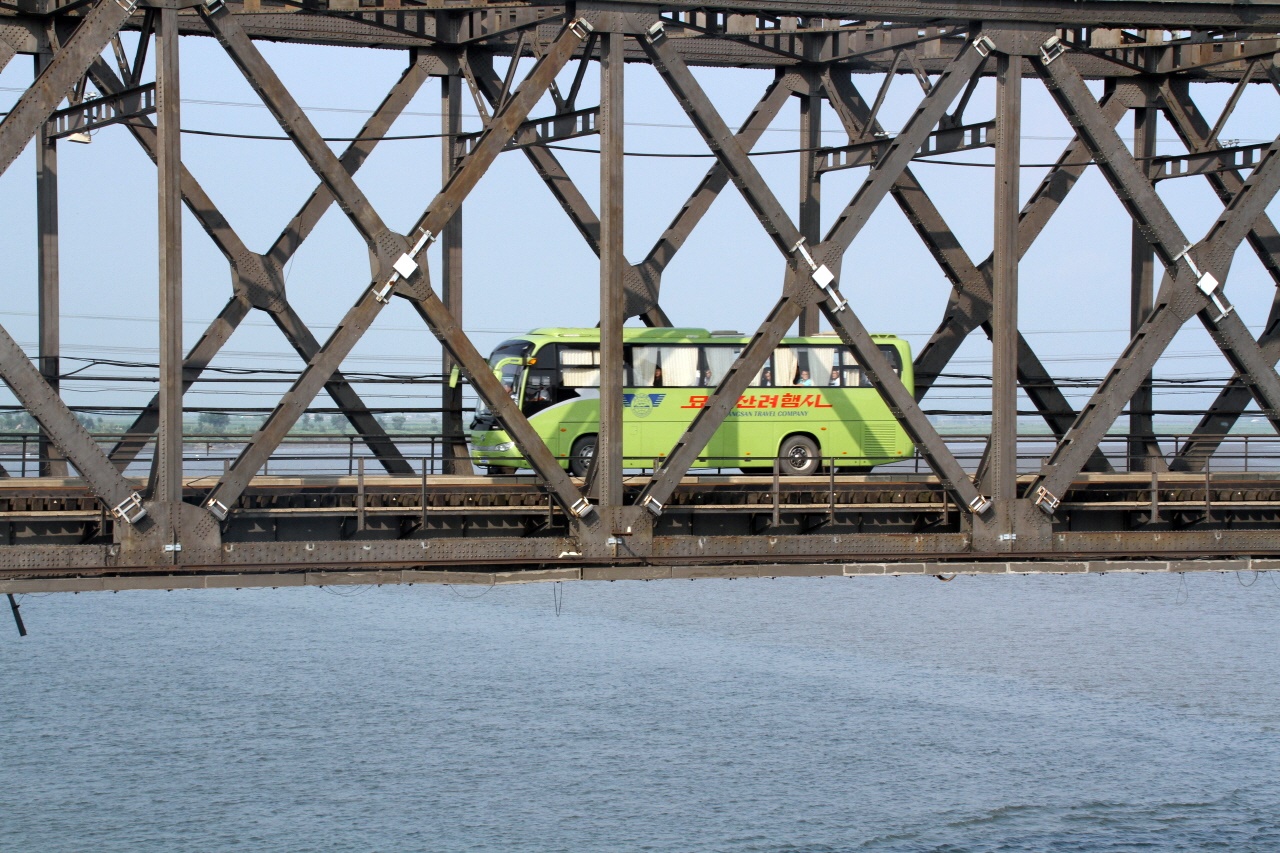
[(646, 372), (580, 367), (680, 365), (718, 361)]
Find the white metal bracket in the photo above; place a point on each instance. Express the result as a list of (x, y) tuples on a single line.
[(1046, 501), (1208, 285), (581, 508), (822, 276), (979, 505), (984, 45), (217, 509), (130, 509), (657, 32), (1052, 49), (653, 505)]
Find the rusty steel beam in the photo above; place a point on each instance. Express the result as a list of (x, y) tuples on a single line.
[(457, 459), (607, 462), (47, 271), (813, 281), (1002, 472), (254, 281), (66, 431), (1264, 238), (970, 304), (60, 76), (164, 488), (1187, 290), (408, 266)]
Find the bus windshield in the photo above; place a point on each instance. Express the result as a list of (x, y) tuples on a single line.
[(507, 363)]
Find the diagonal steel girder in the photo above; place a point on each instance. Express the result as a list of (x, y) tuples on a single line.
[(67, 433), (60, 76), (648, 273), (970, 304), (566, 193), (263, 79), (801, 287), (1186, 291), (247, 267), (410, 264), (1222, 414), (775, 97)]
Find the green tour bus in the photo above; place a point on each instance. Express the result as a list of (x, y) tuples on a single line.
[(810, 404)]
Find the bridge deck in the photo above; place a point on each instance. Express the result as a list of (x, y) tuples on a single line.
[(321, 530)]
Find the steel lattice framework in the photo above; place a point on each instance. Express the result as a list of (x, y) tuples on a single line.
[(1075, 513)]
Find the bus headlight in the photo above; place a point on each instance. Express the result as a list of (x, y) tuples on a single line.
[(501, 448)]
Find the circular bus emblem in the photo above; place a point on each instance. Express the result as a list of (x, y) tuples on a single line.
[(642, 406)]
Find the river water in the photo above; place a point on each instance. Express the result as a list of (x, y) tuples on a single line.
[(1001, 713)]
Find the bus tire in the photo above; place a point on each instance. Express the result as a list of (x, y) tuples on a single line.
[(800, 456), (581, 455)]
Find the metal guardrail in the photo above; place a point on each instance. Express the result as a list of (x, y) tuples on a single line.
[(335, 455)]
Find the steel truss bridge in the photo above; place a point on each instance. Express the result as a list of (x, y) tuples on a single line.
[(84, 524)]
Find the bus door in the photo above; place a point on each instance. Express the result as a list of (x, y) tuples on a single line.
[(509, 372)]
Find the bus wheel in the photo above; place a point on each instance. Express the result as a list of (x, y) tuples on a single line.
[(580, 456), (800, 456)]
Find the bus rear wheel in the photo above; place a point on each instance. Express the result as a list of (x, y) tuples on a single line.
[(800, 456), (580, 456)]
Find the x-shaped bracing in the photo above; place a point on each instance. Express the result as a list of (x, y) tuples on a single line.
[(401, 263), (257, 279), (1192, 283), (970, 304), (1235, 396), (810, 277), (57, 78), (644, 278)]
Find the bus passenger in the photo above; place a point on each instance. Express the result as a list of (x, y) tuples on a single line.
[(657, 377), (835, 376), (804, 379), (766, 379)]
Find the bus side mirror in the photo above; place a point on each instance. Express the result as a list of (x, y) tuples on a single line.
[(454, 376)]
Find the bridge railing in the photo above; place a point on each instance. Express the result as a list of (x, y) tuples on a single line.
[(210, 455)]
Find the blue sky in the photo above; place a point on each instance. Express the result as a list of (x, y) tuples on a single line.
[(525, 264)]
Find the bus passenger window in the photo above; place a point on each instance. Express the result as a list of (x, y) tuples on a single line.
[(718, 361), (646, 370), (679, 366), (580, 368)]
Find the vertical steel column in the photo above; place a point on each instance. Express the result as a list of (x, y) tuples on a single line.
[(166, 468), (1003, 469), (51, 460), (1141, 443), (608, 461), (456, 460), (810, 219)]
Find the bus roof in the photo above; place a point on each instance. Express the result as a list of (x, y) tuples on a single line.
[(672, 335)]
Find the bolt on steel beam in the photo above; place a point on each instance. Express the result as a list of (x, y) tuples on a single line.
[(814, 280), (62, 426), (409, 267), (60, 76), (165, 486), (1187, 290), (970, 304), (256, 279)]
